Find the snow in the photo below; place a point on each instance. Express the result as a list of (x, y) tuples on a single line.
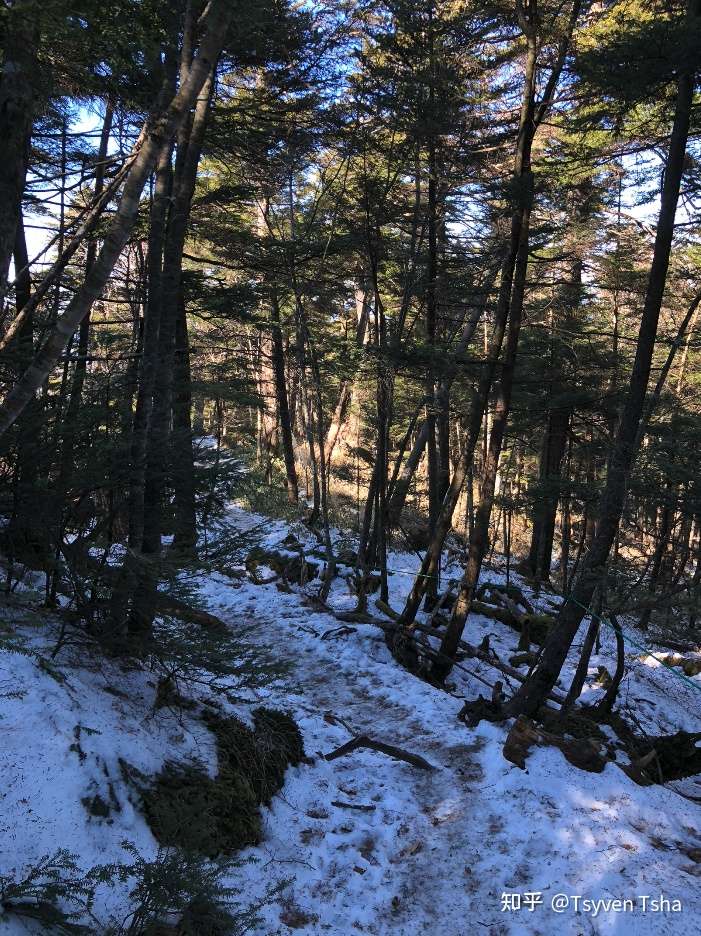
[(427, 850)]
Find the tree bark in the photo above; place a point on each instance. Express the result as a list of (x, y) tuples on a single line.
[(185, 176), (404, 476), (26, 532), (345, 396), (183, 468), (81, 364), (281, 397), (550, 474), (149, 353), (479, 542), (541, 681)]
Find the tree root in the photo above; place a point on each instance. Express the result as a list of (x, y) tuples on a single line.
[(589, 754)]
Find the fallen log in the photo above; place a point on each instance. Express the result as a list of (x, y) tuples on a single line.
[(170, 605), (358, 617), (363, 741), (536, 626), (291, 567), (485, 657), (354, 617), (507, 596), (677, 645)]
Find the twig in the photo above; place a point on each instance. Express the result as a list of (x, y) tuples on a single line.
[(362, 807)]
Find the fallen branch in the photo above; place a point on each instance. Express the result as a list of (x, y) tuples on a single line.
[(353, 617), (362, 741), (487, 658), (361, 807), (335, 632), (386, 609)]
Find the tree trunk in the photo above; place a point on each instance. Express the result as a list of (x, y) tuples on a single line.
[(19, 67), (543, 534), (183, 468), (283, 407), (81, 364), (26, 533), (404, 477), (345, 396), (479, 542), (158, 131), (534, 691), (522, 172), (149, 354), (185, 176)]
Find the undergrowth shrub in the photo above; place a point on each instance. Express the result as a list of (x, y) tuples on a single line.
[(54, 892), (176, 892), (185, 891)]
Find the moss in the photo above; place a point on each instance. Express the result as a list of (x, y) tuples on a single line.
[(539, 627), (187, 808)]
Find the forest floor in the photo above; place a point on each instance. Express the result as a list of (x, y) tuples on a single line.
[(363, 843)]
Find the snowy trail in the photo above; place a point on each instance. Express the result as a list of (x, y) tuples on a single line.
[(440, 848), (427, 852)]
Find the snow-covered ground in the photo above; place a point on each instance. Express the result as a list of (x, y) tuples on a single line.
[(365, 843)]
